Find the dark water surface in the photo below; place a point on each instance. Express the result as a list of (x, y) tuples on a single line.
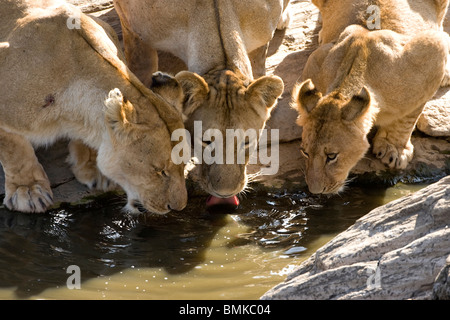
[(193, 254)]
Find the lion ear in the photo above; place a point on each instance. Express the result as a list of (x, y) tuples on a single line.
[(195, 90), (169, 89), (266, 89), (118, 112), (357, 105), (306, 96)]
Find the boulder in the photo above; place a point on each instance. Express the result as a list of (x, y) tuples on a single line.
[(441, 287), (398, 251)]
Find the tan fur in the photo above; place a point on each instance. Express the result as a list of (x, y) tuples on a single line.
[(61, 82), (402, 16), (222, 101), (365, 78), (216, 39)]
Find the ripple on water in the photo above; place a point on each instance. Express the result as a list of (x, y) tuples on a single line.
[(193, 254)]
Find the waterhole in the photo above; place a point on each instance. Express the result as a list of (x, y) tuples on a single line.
[(193, 254)]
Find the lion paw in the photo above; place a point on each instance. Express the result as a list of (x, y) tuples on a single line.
[(33, 199), (100, 182), (391, 155), (446, 79), (90, 175), (83, 162)]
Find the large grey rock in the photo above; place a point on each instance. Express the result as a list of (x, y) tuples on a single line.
[(441, 288), (396, 251)]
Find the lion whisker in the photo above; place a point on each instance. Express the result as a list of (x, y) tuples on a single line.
[(252, 177)]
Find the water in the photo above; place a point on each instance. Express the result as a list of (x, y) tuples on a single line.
[(193, 254)]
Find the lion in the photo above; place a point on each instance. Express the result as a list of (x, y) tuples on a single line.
[(63, 76), (217, 40), (365, 79)]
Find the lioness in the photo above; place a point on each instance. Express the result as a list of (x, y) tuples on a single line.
[(62, 76), (214, 39), (360, 78)]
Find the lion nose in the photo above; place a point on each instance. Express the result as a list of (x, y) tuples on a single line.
[(176, 206), (178, 202), (315, 187), (228, 180)]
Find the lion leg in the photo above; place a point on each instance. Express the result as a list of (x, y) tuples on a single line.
[(442, 7), (258, 60), (285, 18), (141, 58), (83, 162), (392, 143), (446, 79), (27, 188)]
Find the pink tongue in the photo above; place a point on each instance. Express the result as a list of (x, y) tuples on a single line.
[(213, 201)]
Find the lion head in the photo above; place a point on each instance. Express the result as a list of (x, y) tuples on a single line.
[(222, 100), (334, 134), (137, 153)]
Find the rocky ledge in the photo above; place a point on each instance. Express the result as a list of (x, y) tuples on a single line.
[(398, 251)]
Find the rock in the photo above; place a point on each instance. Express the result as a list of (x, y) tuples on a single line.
[(441, 288), (396, 251), (435, 118), (290, 166), (88, 6)]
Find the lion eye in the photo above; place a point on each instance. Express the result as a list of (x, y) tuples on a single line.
[(331, 157), (161, 172), (304, 153)]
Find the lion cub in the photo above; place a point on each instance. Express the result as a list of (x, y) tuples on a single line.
[(364, 78)]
